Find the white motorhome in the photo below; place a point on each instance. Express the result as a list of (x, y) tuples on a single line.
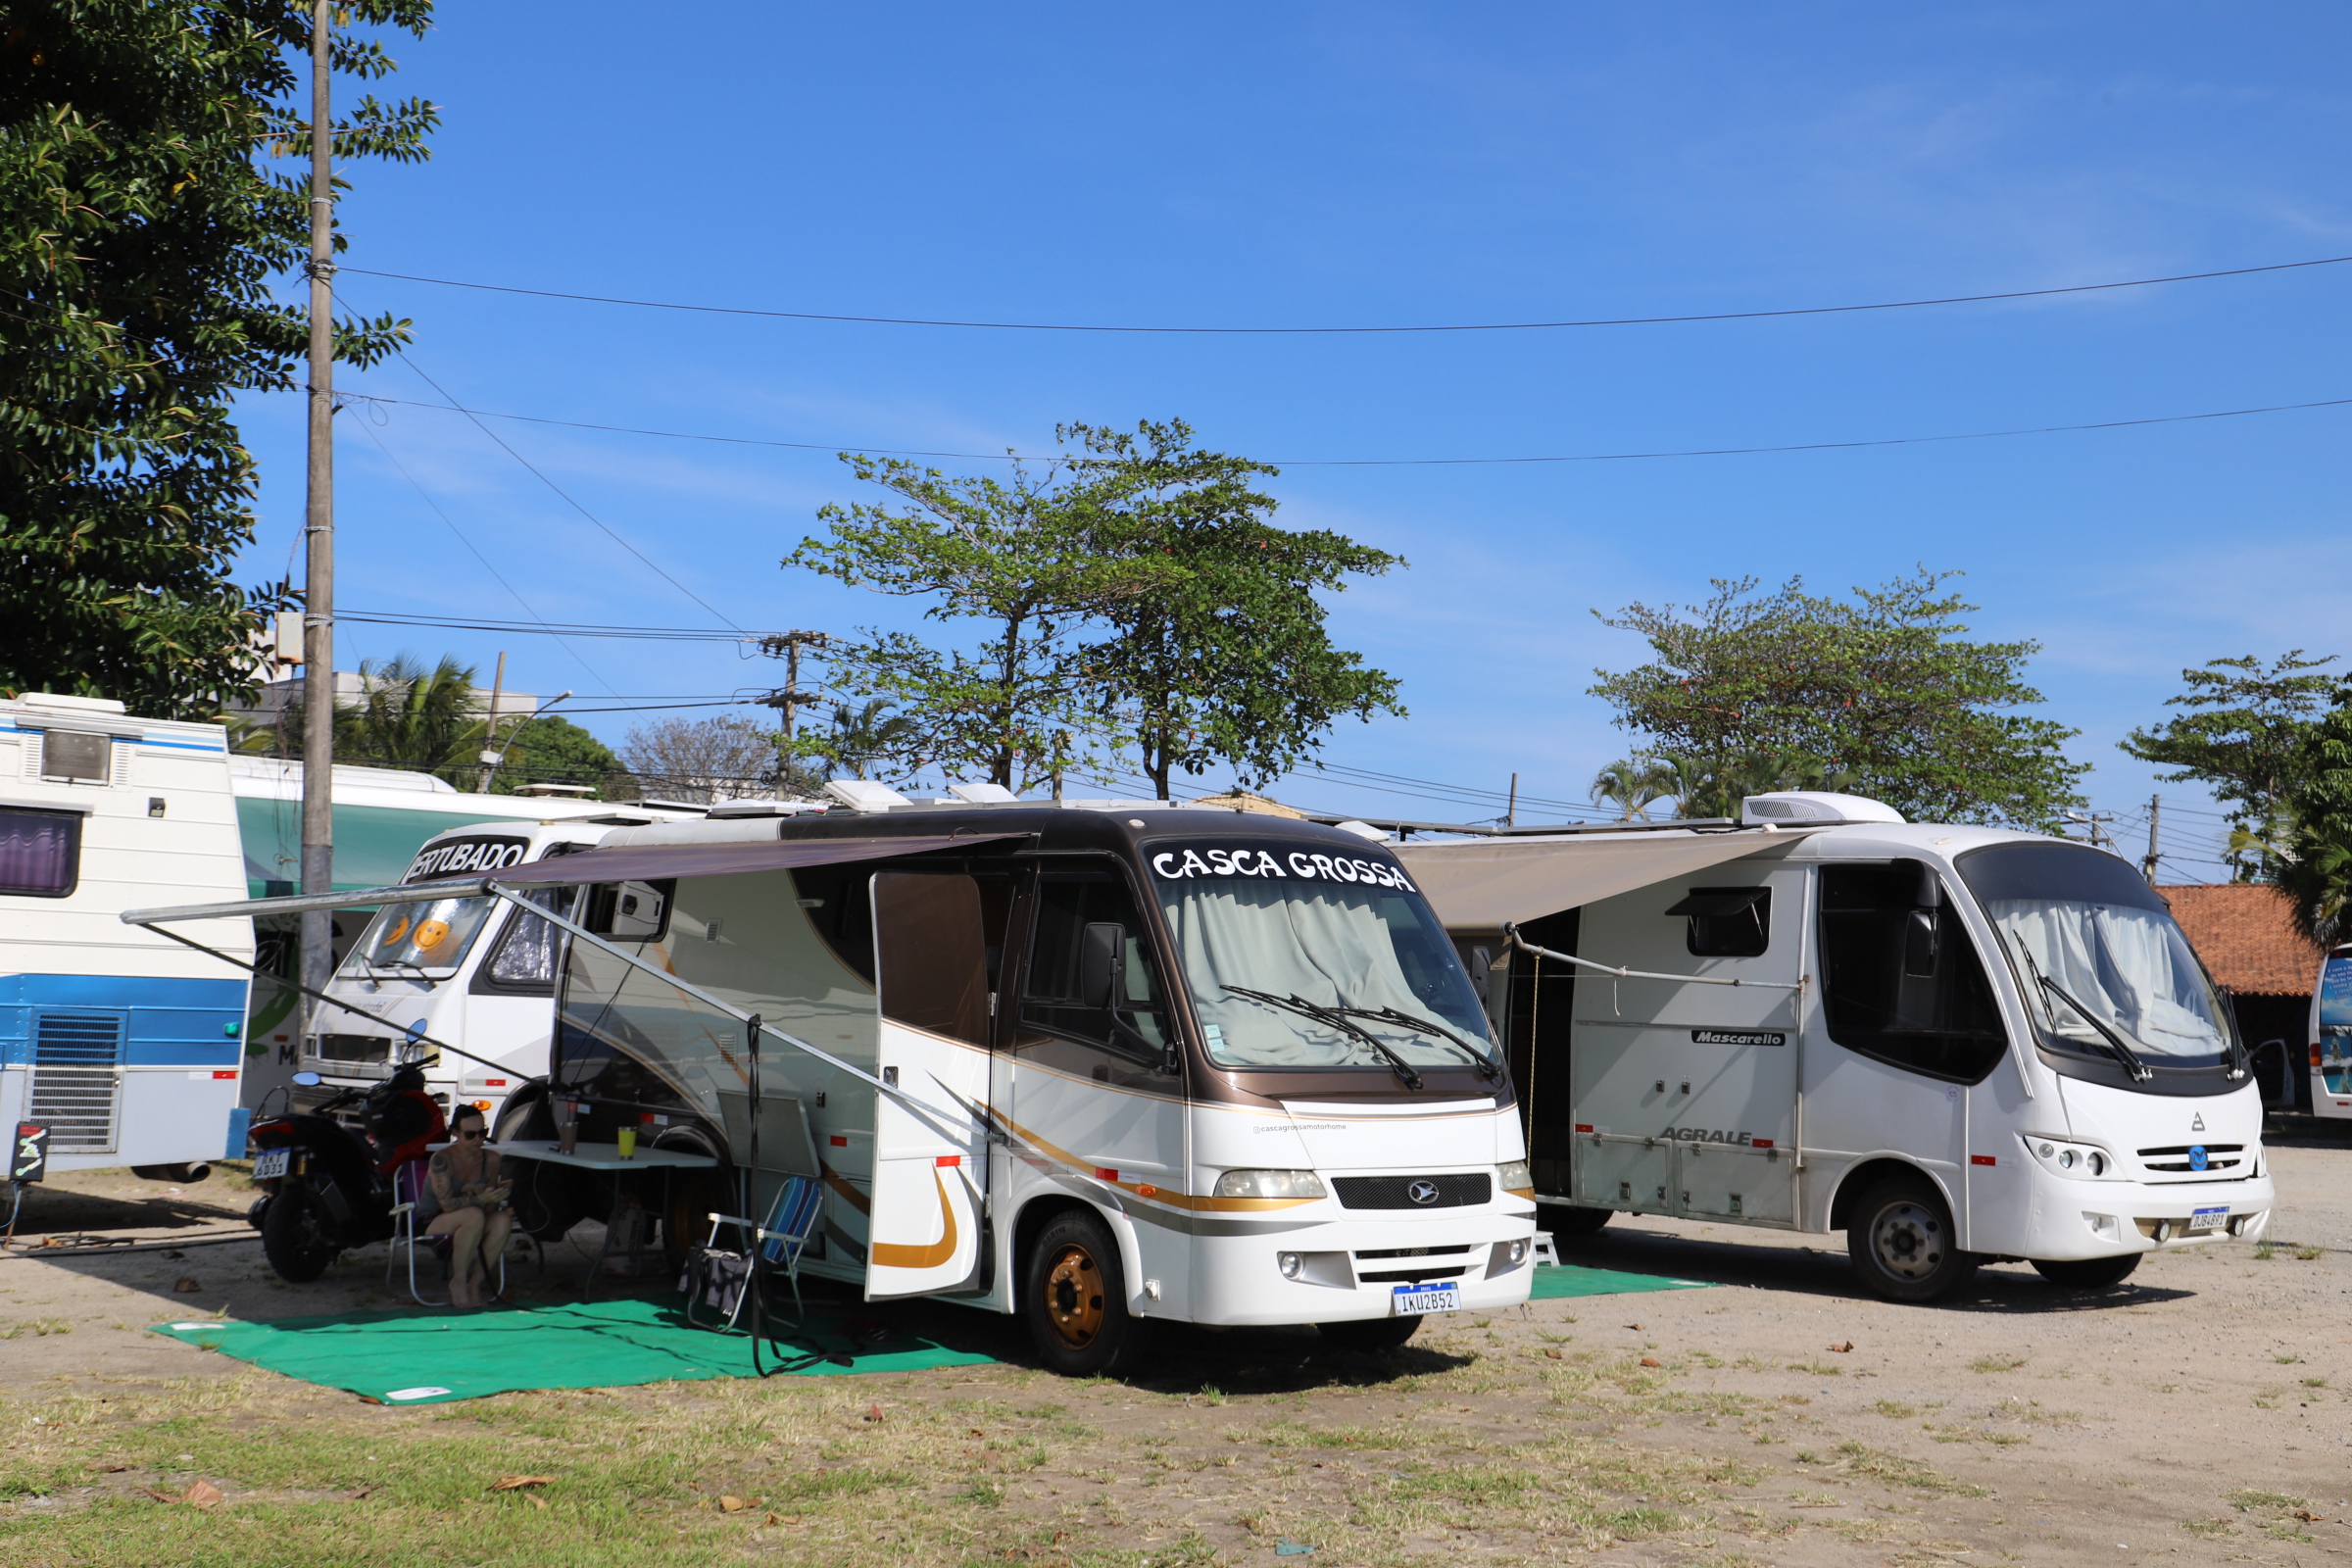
[(1096, 1064), (1953, 1044), (123, 1044), (2331, 1036)]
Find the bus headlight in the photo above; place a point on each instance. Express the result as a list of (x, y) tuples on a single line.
[(1290, 1264), (1271, 1184), (1513, 1176), (2081, 1161)]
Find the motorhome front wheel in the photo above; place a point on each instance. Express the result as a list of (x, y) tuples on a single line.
[(1076, 1300), (1902, 1243)]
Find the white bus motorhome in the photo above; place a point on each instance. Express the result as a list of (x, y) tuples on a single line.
[(1952, 1043), (123, 1044), (1093, 1066), (2331, 1036)]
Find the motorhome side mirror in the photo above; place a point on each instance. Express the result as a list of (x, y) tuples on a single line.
[(1103, 964), (1930, 895), (307, 1080), (1919, 943)]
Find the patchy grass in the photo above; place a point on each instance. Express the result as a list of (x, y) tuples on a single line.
[(2309, 1254), (2249, 1501), (1896, 1470), (2210, 1529), (1997, 1364), (1895, 1410)]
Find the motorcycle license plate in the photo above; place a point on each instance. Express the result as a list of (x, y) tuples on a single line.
[(1411, 1301), (2208, 1219), (272, 1162)]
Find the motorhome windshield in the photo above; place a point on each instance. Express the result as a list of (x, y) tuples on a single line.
[(1293, 957), (432, 935), (2097, 951)]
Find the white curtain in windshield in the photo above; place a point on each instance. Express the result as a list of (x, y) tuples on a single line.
[(1333, 947), (2130, 967), (421, 936)]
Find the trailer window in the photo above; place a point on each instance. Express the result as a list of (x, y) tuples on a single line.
[(40, 852), (1726, 922), (1902, 983)]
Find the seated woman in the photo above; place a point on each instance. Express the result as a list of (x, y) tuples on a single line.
[(465, 1182)]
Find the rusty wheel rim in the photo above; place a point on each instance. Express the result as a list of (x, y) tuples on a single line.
[(1074, 1297)]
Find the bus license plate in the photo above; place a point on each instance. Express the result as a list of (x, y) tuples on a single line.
[(2208, 1219), (270, 1162), (1411, 1301)]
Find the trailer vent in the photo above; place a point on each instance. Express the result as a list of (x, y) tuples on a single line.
[(78, 1080), (1414, 1192)]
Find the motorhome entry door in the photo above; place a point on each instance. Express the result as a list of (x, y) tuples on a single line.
[(931, 1157)]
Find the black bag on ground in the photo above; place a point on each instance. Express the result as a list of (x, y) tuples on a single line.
[(714, 1280)]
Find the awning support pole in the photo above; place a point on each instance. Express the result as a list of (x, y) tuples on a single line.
[(1510, 932)]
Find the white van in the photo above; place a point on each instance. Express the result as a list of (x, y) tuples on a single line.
[(124, 1045), (1955, 1044)]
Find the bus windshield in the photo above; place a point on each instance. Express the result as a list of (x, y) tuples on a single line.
[(2097, 950), (430, 935), (1260, 929)]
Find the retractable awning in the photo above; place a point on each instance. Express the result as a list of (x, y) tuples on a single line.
[(1488, 883), (640, 862)]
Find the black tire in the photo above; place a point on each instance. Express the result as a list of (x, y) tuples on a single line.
[(1369, 1334), (2088, 1273), (1902, 1242), (1567, 1222), (292, 1238), (1074, 1299)]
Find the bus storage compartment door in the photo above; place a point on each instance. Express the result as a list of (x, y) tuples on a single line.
[(1738, 1181), (1625, 1171), (930, 1163)]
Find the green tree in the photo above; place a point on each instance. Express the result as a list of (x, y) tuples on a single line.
[(866, 738), (1634, 785), (550, 749), (2316, 865), (1021, 558), (427, 721), (2247, 739), (139, 230), (1883, 689), (1225, 660)]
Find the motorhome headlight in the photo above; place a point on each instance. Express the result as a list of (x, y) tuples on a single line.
[(1271, 1184), (1513, 1176), (2081, 1161)]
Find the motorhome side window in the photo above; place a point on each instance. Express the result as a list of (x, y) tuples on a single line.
[(1087, 931), (630, 911), (1900, 979), (40, 852), (1726, 922)]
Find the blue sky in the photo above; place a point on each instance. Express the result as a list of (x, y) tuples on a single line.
[(1333, 166)]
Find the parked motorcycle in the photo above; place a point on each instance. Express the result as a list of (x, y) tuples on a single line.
[(328, 1186)]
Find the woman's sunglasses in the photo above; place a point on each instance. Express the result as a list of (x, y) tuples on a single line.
[(476, 1132)]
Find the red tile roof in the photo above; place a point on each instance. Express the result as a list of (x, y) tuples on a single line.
[(2245, 933)]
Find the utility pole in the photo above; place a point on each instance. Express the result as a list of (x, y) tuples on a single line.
[(498, 685), (787, 646), (318, 529), (1510, 813), (2155, 816)]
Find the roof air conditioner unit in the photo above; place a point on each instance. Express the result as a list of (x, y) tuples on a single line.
[(864, 794), (1813, 809), (982, 794)]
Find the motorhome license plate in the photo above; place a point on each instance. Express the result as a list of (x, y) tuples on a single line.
[(2208, 1219), (1411, 1301), (270, 1162)]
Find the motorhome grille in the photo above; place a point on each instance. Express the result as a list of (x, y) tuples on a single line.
[(2176, 1156), (77, 1083), (354, 1047), (1413, 1276), (1443, 1263), (1396, 1192), (1414, 1252)]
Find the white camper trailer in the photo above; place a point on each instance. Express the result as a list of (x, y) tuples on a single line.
[(121, 1043), (1952, 1043), (1093, 1066)]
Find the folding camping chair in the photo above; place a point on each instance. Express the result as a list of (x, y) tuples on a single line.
[(775, 1247), (416, 1209)]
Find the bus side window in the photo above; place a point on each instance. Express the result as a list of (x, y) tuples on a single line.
[(1900, 980), (1066, 904)]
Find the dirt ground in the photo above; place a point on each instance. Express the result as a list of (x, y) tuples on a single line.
[(2201, 1410)]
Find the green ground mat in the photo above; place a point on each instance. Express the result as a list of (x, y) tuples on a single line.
[(412, 1358), (1570, 1279)]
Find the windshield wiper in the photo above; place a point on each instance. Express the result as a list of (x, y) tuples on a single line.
[(1337, 1018), (430, 984), (2115, 1042), (1487, 1066)]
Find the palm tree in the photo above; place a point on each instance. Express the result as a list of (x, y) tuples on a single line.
[(1634, 785), (407, 716), (861, 737)]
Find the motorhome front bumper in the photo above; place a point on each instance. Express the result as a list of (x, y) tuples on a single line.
[(1350, 1268), (2084, 1219)]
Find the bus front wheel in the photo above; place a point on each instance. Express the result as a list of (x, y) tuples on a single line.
[(1902, 1242), (1074, 1298), (2088, 1273)]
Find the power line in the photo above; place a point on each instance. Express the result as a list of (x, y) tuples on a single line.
[(479, 415), (1312, 331), (680, 634)]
